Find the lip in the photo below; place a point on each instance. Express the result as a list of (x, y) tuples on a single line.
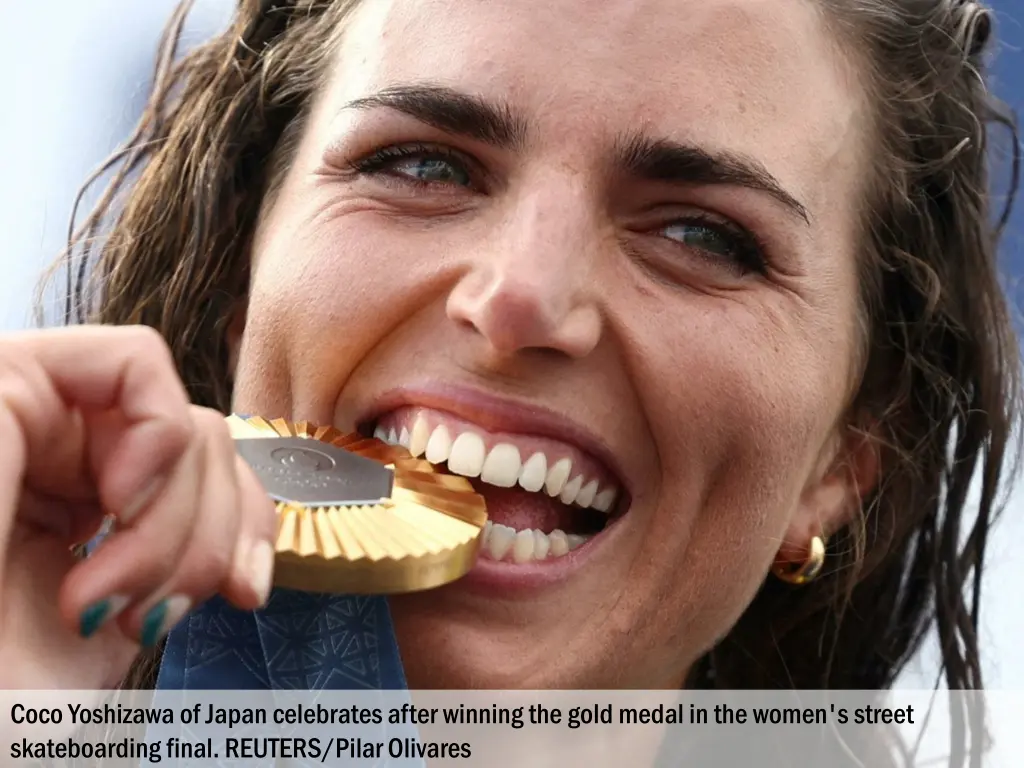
[(499, 414), (492, 413)]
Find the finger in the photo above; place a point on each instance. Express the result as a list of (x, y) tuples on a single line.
[(230, 550), (249, 582), (45, 376), (66, 518), (12, 469), (135, 560), (207, 558), (227, 549)]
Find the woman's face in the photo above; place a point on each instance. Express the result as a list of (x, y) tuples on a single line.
[(603, 252)]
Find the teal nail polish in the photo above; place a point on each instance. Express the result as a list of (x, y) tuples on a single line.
[(162, 618), (93, 618), (153, 624), (99, 613)]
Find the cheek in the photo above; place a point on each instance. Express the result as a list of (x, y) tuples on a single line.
[(324, 293), (741, 409)]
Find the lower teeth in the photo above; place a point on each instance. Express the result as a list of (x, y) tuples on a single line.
[(500, 542)]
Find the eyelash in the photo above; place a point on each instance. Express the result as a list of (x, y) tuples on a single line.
[(379, 162), (748, 249)]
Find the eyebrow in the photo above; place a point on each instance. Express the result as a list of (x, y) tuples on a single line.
[(463, 114), (672, 162), (451, 111)]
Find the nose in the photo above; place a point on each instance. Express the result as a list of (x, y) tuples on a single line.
[(533, 285)]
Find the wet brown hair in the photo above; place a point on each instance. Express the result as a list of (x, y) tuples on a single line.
[(168, 246)]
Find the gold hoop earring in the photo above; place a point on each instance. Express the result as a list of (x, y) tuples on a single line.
[(801, 573)]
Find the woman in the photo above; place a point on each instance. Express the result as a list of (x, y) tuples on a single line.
[(731, 258)]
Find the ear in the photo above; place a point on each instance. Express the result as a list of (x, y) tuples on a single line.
[(235, 331), (848, 471)]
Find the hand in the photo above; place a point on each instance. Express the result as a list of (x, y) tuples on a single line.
[(94, 422)]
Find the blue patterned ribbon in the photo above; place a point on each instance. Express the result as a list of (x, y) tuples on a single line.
[(298, 642)]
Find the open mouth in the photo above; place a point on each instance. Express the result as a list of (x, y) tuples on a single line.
[(545, 498)]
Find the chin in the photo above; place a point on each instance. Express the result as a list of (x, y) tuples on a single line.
[(445, 646)]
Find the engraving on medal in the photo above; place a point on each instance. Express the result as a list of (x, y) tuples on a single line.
[(303, 459), (301, 471)]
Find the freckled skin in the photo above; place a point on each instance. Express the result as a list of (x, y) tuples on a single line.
[(720, 392)]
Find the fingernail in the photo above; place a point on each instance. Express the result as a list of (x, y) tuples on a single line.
[(161, 619), (261, 570), (142, 498), (99, 613)]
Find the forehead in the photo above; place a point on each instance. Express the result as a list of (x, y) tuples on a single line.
[(763, 78)]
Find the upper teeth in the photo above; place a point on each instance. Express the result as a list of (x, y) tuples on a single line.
[(502, 466)]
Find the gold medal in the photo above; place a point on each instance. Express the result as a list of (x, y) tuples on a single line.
[(356, 515)]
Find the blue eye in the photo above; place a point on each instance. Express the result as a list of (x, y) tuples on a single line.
[(718, 240), (703, 237), (417, 163), (435, 170)]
